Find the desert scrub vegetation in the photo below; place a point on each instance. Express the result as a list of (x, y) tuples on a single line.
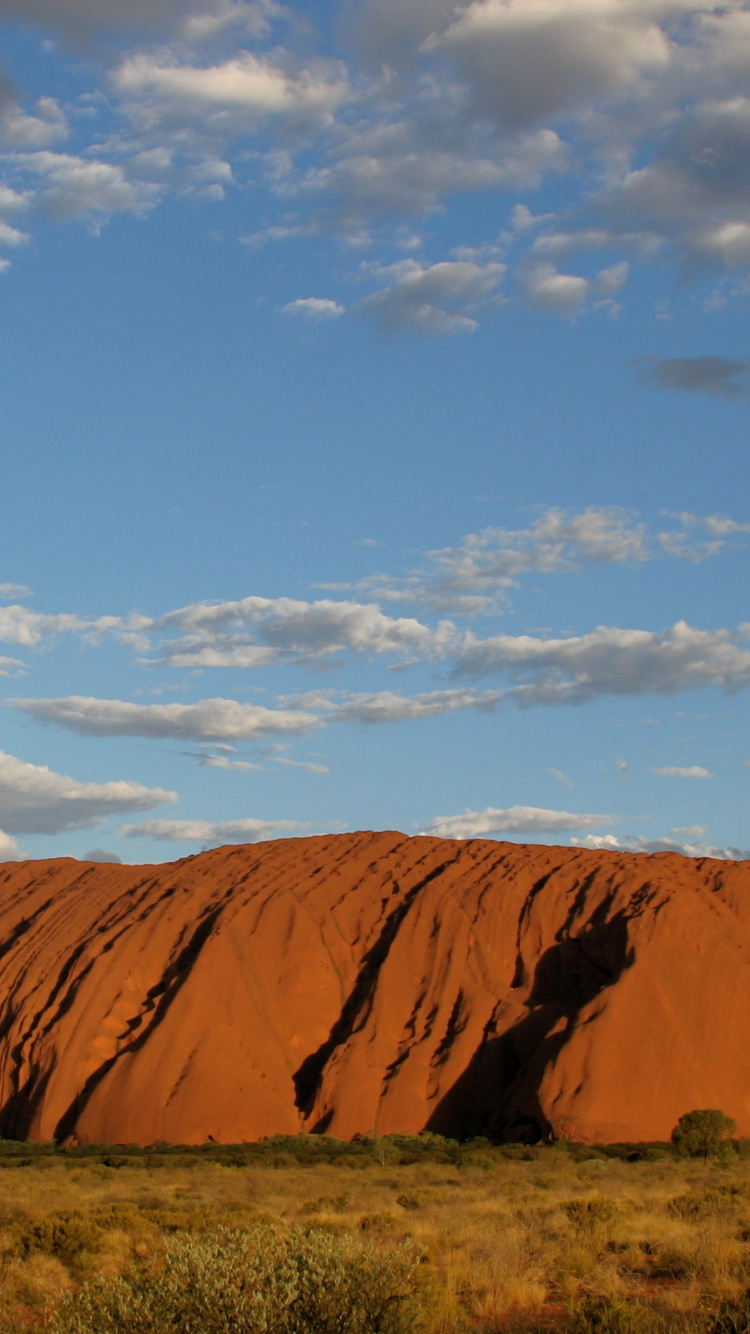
[(385, 1236)]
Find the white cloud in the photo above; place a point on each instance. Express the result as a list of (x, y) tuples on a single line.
[(526, 60), (224, 762), (210, 718), (209, 832), (226, 633), (20, 625), (691, 771), (514, 820), (477, 575), (18, 129), (689, 831), (547, 289), (638, 843), (387, 707), (11, 236), (74, 188), (445, 298), (233, 96), (610, 661), (14, 591), (9, 849), (12, 667), (253, 18), (406, 167), (36, 800), (314, 308)]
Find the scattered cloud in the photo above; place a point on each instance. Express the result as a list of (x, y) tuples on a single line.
[(210, 718), (691, 771), (637, 843), (212, 833), (444, 298), (232, 96), (514, 820), (526, 62), (478, 574), (12, 667), (225, 634), (81, 189), (36, 800), (609, 661), (20, 130), (689, 831), (316, 309), (721, 377), (8, 591), (638, 110), (563, 778), (387, 707)]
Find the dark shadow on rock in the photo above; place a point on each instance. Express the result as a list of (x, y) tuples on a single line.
[(498, 1094)]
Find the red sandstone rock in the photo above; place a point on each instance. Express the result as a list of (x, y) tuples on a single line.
[(373, 982)]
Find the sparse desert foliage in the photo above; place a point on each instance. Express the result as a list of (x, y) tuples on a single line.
[(409, 1235)]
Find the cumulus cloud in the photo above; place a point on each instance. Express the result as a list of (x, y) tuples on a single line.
[(101, 855), (36, 800), (610, 661), (388, 707), (232, 96), (406, 167), (525, 60), (436, 99), (227, 633), (548, 289), (78, 189), (210, 718), (444, 298), (211, 832), (20, 625), (638, 843), (513, 820), (721, 377), (478, 574), (316, 309), (20, 129), (9, 849), (679, 771)]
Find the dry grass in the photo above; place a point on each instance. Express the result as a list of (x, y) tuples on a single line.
[(512, 1245)]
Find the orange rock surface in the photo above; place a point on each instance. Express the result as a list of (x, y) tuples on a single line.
[(373, 982)]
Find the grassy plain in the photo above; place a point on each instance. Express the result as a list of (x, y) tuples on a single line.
[(511, 1240)]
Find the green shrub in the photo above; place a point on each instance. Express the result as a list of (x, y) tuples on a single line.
[(255, 1282), (66, 1236), (701, 1133)]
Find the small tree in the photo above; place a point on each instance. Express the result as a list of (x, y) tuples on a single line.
[(700, 1133)]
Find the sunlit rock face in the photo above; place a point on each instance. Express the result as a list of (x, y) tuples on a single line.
[(372, 982)]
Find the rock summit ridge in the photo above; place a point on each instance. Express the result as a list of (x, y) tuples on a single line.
[(373, 982)]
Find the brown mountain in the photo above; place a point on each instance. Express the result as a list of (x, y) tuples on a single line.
[(364, 982)]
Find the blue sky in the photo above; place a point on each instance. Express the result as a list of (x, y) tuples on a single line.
[(374, 382)]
